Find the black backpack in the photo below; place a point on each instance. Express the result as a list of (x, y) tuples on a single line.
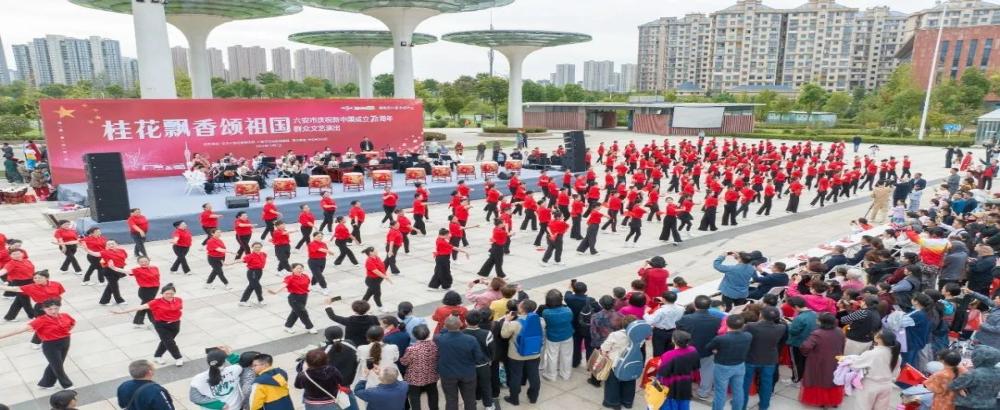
[(586, 313)]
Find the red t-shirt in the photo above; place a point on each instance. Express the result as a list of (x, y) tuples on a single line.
[(390, 199), (558, 227), (317, 250), (328, 204), (66, 235), (147, 277), (307, 219), (493, 196), (356, 214), (455, 229), (40, 293), (49, 328), (255, 260), (207, 221), (216, 248), (442, 247), (166, 311), (270, 212), (576, 209), (711, 202), (374, 264), (636, 212), (544, 215), (297, 284), (19, 270), (114, 257), (462, 213), (183, 237), (140, 221), (394, 237), (499, 236), (404, 224), (594, 218), (340, 232), (419, 208), (94, 243), (243, 228), (280, 237)]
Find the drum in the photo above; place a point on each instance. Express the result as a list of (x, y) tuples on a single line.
[(284, 187), (513, 166), (353, 180), (319, 183), (414, 175), (381, 178), (440, 173), (489, 169), (466, 171), (248, 189)]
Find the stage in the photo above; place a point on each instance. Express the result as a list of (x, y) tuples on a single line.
[(163, 201)]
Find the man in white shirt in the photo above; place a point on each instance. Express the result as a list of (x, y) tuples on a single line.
[(664, 321)]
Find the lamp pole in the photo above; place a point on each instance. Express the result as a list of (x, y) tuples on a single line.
[(930, 76)]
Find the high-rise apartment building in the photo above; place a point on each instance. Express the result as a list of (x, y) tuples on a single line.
[(4, 71), (312, 64), (215, 64), (345, 69), (672, 52), (627, 78), (960, 13), (878, 35), (565, 74), (130, 72), (599, 75), (246, 63), (179, 56), (818, 44), (23, 62), (746, 45), (281, 63), (64, 60)]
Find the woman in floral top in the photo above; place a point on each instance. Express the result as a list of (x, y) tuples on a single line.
[(602, 323), (420, 360)]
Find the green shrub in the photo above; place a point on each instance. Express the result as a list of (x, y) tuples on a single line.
[(438, 124), (799, 132), (506, 130), (786, 131), (892, 134), (906, 133), (933, 142), (434, 136), (876, 132)]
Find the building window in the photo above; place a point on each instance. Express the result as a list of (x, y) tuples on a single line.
[(956, 55), (943, 52), (970, 59), (987, 50)]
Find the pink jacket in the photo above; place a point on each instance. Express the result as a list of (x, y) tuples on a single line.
[(817, 303)]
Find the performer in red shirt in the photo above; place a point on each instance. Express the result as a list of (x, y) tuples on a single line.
[(269, 215), (530, 206), (389, 201), (544, 217), (93, 242), (393, 241), (708, 213), (256, 260), (329, 207), (769, 191), (493, 197), (138, 226), (40, 290), (297, 285), (635, 223), (357, 215), (209, 221), (53, 328), (342, 237), (282, 246), (374, 275), (498, 243), (147, 277), (67, 239), (166, 312), (614, 208), (671, 212), (113, 260), (419, 214), (795, 190), (306, 223), (747, 196), (444, 247), (593, 225), (576, 216), (731, 197), (556, 229), (216, 250), (317, 260), (405, 228), (181, 241), (244, 230)]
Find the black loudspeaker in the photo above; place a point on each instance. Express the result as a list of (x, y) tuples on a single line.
[(576, 148), (106, 188), (503, 175), (237, 202)]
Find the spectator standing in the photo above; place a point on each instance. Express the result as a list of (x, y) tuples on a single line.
[(677, 371), (525, 332), (880, 366), (389, 394), (558, 352), (583, 308), (798, 331), (702, 326), (604, 322), (769, 336), (664, 321), (626, 348), (484, 337), (375, 354), (142, 393), (458, 355), (735, 285), (978, 388), (730, 353), (421, 360), (821, 350), (863, 325)]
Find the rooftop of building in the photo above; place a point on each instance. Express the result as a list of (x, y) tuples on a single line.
[(963, 4)]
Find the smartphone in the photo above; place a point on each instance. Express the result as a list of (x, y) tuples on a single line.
[(572, 281), (370, 363), (336, 299)]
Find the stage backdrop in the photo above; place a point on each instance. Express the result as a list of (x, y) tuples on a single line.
[(156, 137)]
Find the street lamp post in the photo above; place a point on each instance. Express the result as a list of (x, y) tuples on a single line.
[(930, 76)]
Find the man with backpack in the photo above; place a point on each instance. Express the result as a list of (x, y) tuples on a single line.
[(525, 331), (583, 308)]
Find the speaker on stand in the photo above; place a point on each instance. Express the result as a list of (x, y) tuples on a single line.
[(107, 191), (576, 148)]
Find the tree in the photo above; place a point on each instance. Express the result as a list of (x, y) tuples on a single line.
[(267, 78), (574, 93), (783, 104), (14, 125), (811, 97), (454, 100), (974, 87), (432, 86), (182, 83), (553, 93), (493, 90), (350, 90), (532, 91), (384, 85), (766, 98), (670, 96), (431, 105), (115, 91), (838, 103)]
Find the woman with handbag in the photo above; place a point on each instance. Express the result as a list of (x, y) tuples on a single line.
[(320, 382)]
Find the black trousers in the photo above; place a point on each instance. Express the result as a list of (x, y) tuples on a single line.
[(686, 222), (518, 370), (167, 331), (574, 231), (21, 302), (390, 260), (55, 352), (388, 213), (729, 214), (70, 260), (180, 252), (344, 252), (765, 209), (555, 248), (306, 236), (634, 228), (356, 231), (327, 221), (145, 295), (730, 302), (442, 273), (541, 233), (494, 260), (654, 210), (581, 343), (374, 290), (708, 220), (743, 209), (95, 266), (253, 285), (452, 387), (140, 244), (208, 233), (670, 229), (414, 393), (455, 241), (820, 197), (316, 267), (299, 312), (589, 241), (798, 363), (111, 289), (491, 209), (216, 264), (612, 221), (418, 224), (793, 203), (244, 242), (268, 228), (662, 341), (283, 252), (484, 389), (529, 216)]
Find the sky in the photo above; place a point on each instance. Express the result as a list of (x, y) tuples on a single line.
[(613, 24)]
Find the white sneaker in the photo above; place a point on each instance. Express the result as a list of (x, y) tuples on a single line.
[(78, 273), (383, 309), (85, 284), (64, 273), (209, 286), (159, 361), (36, 346), (262, 303), (46, 388), (312, 331), (189, 273), (543, 264), (289, 330), (136, 326), (244, 304), (173, 272), (580, 253), (227, 287), (456, 262), (122, 303), (179, 362), (561, 263)]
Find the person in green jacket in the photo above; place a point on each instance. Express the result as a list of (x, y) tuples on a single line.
[(798, 331)]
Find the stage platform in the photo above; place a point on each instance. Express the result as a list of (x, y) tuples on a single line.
[(164, 201)]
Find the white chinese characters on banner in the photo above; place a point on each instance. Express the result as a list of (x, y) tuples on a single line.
[(208, 127)]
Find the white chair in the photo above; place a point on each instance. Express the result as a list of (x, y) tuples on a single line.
[(193, 182)]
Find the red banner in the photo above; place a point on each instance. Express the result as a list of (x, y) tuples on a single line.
[(158, 137)]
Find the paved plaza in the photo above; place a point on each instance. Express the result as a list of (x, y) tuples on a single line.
[(103, 344)]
